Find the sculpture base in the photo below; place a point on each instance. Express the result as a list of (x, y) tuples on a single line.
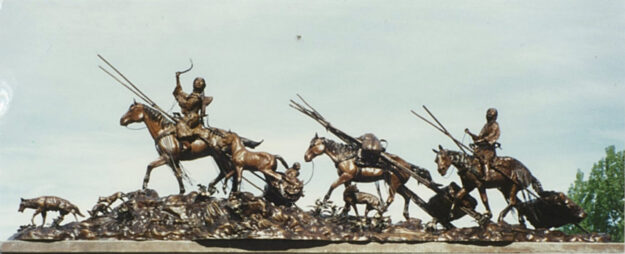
[(275, 246), (196, 216)]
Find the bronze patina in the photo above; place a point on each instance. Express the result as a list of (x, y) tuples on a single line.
[(198, 215), (42, 205)]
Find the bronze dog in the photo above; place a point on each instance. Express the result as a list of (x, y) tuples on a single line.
[(352, 196), (44, 204)]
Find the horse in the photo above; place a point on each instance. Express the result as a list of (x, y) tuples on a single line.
[(251, 160), (517, 177), (344, 158), (170, 149)]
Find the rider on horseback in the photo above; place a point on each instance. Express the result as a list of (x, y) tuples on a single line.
[(193, 108), (485, 143)]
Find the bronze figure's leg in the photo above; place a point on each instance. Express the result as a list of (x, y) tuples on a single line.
[(355, 209), (459, 196), (157, 163), (406, 203), (178, 172), (511, 202), (395, 182), (239, 171), (32, 220), (484, 197), (343, 178), (43, 214)]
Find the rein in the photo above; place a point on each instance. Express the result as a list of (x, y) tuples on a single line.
[(311, 173)]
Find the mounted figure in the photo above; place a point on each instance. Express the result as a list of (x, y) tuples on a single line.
[(485, 143), (178, 138), (511, 177), (193, 109)]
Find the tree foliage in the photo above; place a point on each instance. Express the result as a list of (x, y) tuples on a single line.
[(602, 196)]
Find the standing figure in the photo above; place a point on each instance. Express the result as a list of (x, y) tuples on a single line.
[(193, 108), (43, 204), (352, 196), (485, 143)]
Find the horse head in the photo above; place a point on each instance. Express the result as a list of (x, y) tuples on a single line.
[(317, 146), (135, 114), (443, 160)]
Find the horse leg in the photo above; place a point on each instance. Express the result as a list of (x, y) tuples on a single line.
[(511, 203), (484, 198), (211, 185), (343, 178), (239, 170), (406, 204), (157, 163), (392, 189), (268, 171), (175, 166)]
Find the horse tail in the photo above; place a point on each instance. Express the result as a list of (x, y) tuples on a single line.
[(537, 186), (278, 157)]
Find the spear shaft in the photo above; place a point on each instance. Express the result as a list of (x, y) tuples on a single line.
[(443, 130), (134, 88)]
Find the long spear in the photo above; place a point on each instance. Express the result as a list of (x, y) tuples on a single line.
[(134, 88), (442, 129)]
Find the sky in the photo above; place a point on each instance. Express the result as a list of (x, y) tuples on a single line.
[(553, 70)]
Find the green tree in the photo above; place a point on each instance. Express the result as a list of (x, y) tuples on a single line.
[(602, 196)]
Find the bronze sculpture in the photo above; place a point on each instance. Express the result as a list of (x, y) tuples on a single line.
[(511, 177), (485, 143), (344, 157), (352, 197), (103, 205), (251, 160), (44, 204), (192, 106), (144, 215)]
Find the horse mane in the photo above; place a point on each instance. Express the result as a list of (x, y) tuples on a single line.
[(345, 151), (460, 157), (158, 116)]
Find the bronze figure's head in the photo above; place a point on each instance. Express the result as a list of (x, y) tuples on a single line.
[(491, 114), (198, 84)]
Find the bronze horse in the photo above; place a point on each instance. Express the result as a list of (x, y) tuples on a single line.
[(517, 178), (170, 149), (344, 157), (251, 160)]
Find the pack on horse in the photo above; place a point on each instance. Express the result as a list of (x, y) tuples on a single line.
[(517, 177), (344, 158)]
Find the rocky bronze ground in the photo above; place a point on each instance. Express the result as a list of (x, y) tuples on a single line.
[(143, 215)]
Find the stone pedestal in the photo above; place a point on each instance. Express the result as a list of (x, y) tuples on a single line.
[(288, 246)]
